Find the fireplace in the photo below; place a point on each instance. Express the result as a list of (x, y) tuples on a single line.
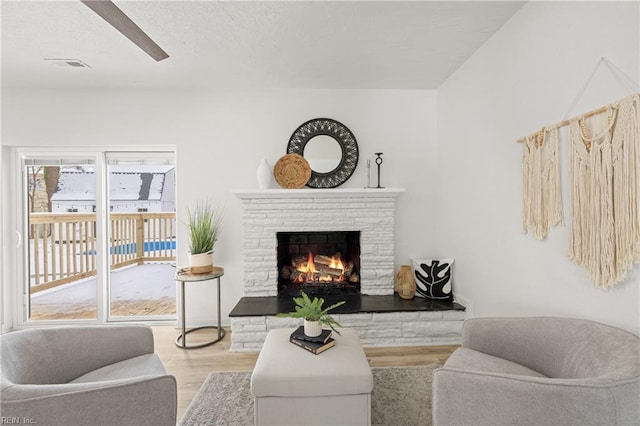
[(266, 213), (381, 318), (318, 263)]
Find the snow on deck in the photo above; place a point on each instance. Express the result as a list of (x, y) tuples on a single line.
[(150, 281)]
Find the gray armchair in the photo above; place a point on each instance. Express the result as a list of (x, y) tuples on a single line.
[(96, 375), (539, 371)]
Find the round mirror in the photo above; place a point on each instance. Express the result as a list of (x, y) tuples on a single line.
[(323, 153), (330, 149)]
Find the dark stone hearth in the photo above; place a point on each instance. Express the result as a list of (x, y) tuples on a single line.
[(272, 305)]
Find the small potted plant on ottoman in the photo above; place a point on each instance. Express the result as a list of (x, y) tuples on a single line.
[(313, 314)]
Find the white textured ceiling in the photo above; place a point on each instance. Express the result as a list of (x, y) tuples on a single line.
[(294, 44)]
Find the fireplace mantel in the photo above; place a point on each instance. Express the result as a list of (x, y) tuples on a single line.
[(244, 194)]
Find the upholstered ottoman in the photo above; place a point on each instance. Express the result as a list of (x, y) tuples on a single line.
[(291, 386)]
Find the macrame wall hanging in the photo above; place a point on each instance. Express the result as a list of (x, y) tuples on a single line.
[(605, 187), (541, 198), (605, 191)]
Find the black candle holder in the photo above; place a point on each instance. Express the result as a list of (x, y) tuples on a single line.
[(379, 163)]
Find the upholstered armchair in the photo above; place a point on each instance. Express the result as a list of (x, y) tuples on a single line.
[(96, 375), (539, 371)]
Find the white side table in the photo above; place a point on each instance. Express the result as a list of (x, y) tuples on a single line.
[(187, 277)]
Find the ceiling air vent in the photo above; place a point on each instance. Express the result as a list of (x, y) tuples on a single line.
[(67, 63)]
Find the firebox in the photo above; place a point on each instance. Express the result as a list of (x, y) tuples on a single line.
[(321, 263)]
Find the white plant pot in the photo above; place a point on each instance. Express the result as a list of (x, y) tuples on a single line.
[(312, 328), (201, 263)]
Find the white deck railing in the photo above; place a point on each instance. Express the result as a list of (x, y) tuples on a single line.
[(63, 245)]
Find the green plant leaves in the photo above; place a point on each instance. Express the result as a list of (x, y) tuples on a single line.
[(204, 224), (311, 310)]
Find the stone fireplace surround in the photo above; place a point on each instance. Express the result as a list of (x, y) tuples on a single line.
[(266, 212), (370, 211)]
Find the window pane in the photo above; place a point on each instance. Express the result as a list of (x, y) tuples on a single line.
[(62, 246), (142, 234)]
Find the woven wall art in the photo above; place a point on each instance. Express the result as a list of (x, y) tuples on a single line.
[(605, 191), (541, 198)]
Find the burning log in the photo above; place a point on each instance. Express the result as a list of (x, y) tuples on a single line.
[(348, 269), (298, 277), (324, 269), (322, 259), (286, 271), (319, 269), (299, 261)]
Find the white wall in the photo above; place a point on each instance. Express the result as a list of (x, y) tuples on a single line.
[(527, 76), (221, 137)]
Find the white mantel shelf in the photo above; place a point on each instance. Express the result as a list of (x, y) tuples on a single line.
[(317, 193)]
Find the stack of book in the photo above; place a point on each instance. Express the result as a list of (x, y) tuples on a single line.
[(314, 345)]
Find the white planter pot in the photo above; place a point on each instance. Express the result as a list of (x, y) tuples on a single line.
[(201, 263), (312, 328)]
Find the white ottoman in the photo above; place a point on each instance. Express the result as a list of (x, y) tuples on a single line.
[(291, 386)]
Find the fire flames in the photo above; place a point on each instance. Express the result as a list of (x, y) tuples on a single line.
[(320, 269), (329, 269)]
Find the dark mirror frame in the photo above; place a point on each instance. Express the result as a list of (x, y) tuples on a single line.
[(345, 138)]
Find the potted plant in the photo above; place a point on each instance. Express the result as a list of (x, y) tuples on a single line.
[(204, 224), (313, 314)]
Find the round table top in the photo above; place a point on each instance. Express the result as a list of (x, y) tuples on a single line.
[(186, 276)]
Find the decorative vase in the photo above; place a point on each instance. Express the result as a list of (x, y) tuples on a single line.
[(312, 328), (265, 175), (405, 283), (201, 263)]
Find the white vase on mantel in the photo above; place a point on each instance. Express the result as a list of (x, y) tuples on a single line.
[(265, 175), (312, 328)]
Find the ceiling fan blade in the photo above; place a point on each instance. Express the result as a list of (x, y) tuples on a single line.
[(108, 11)]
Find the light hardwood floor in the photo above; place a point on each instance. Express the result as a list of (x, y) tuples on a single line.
[(191, 367)]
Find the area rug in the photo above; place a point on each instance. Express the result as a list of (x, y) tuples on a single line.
[(401, 396)]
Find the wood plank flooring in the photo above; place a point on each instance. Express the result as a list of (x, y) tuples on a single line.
[(191, 367), (87, 310)]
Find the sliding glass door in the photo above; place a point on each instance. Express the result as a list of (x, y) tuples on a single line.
[(98, 232), (142, 239), (62, 249)]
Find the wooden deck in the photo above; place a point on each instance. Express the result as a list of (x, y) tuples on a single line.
[(126, 308), (136, 291)]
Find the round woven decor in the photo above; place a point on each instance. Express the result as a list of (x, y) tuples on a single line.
[(292, 171)]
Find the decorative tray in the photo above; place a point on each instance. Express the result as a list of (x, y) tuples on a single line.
[(292, 171)]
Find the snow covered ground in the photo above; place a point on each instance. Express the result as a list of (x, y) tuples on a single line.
[(135, 283)]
